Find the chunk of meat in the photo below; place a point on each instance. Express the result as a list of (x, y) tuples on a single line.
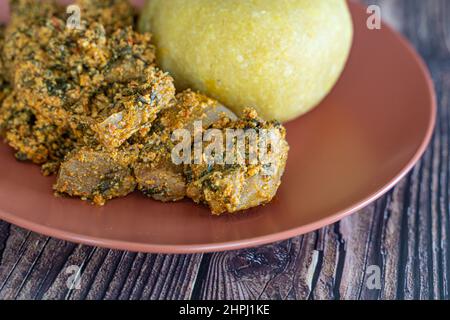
[(156, 174), (131, 54), (137, 111), (191, 107), (232, 187), (97, 175), (161, 181)]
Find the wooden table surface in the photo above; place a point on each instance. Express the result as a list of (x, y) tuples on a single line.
[(405, 235)]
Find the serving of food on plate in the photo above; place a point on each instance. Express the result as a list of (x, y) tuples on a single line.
[(204, 101), (89, 104)]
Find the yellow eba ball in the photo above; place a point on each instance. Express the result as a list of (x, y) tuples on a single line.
[(281, 57)]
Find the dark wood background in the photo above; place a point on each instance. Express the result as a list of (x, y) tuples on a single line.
[(406, 233)]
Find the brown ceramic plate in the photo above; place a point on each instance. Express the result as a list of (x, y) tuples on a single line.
[(366, 135)]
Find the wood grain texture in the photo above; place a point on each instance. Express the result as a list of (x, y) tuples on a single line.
[(406, 233)]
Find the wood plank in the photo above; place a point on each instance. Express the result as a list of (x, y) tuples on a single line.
[(34, 267)]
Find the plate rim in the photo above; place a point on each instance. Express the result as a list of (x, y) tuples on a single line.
[(265, 239)]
